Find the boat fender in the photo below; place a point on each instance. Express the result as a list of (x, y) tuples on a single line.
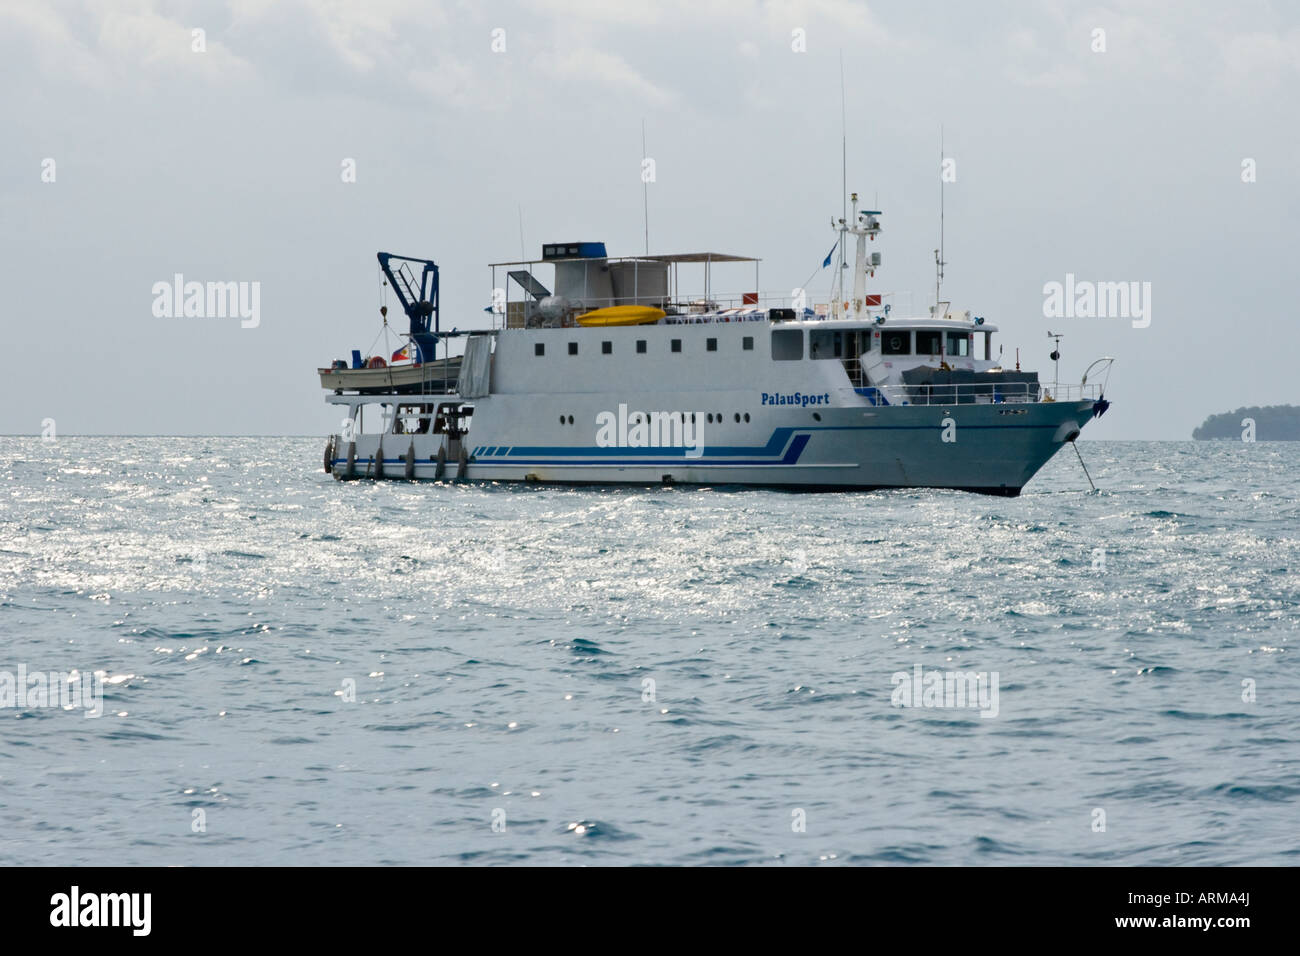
[(352, 460), (463, 462), (441, 467), (410, 460), (329, 455), (379, 460)]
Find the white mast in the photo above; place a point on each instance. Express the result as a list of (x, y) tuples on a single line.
[(859, 263), (865, 226), (837, 286)]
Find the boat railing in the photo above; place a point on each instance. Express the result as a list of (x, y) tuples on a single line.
[(712, 306), (796, 299), (980, 393)]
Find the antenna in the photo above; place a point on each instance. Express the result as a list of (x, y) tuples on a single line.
[(844, 143), (837, 287), (645, 191), (939, 262)]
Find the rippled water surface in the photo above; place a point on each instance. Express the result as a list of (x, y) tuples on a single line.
[(649, 675)]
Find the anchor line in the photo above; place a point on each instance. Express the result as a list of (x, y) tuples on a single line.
[(1085, 467)]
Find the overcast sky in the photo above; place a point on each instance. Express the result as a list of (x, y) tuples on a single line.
[(225, 165)]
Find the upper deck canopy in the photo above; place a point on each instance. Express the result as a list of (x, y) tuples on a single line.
[(705, 257)]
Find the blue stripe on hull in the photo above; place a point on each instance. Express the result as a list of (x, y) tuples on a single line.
[(753, 454)]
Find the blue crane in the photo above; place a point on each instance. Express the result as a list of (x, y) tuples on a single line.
[(419, 300)]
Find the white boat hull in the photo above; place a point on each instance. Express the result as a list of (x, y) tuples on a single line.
[(994, 449)]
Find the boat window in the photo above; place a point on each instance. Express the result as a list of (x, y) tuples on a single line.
[(787, 345), (895, 342), (677, 345), (539, 348), (711, 345), (825, 344), (640, 346), (606, 348), (573, 348), (747, 343), (958, 344), (927, 342)]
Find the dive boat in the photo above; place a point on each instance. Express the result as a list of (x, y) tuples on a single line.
[(619, 377)]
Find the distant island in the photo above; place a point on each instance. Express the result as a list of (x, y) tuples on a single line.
[(1272, 423)]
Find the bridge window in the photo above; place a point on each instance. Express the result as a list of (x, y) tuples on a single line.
[(958, 344), (825, 344), (896, 342), (787, 345), (539, 348), (927, 342)]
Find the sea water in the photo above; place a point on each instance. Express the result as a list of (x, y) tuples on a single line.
[(297, 670)]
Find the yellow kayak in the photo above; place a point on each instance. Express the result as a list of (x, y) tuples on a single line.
[(622, 315)]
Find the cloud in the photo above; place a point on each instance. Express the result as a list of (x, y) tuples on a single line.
[(151, 41), (1261, 60), (361, 36), (122, 42), (608, 72), (51, 41)]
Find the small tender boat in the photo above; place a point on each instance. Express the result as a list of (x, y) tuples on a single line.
[(621, 315), (436, 376)]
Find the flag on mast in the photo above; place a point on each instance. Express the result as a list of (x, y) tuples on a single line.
[(827, 260)]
